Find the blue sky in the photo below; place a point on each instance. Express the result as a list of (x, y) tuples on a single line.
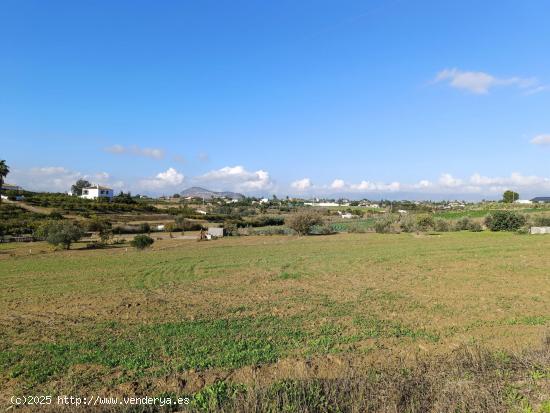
[(392, 99)]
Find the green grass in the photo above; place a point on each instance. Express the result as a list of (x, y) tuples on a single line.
[(124, 315)]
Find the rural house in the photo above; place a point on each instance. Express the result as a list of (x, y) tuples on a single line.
[(96, 192)]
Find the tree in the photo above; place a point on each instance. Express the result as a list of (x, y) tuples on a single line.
[(510, 196), (505, 221), (303, 222), (4, 171), (170, 227), (103, 227), (62, 233), (76, 189), (142, 241)]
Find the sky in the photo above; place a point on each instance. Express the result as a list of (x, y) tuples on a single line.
[(377, 99)]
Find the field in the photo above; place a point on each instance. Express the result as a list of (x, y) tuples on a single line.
[(187, 315)]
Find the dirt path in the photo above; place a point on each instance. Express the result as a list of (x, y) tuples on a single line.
[(38, 210)]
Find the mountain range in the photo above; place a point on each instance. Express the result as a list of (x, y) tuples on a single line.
[(198, 192)]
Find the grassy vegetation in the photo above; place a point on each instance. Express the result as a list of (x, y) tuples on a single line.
[(100, 320)]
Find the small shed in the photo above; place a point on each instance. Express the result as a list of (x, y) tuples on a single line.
[(215, 232)]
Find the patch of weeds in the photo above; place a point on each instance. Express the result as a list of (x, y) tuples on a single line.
[(178, 346), (372, 327), (292, 396), (528, 320), (538, 374), (285, 275), (216, 395)]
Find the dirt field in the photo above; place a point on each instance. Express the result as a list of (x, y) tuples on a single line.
[(258, 309)]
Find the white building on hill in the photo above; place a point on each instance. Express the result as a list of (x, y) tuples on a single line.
[(96, 192)]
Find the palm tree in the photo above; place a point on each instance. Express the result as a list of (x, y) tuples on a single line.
[(4, 171)]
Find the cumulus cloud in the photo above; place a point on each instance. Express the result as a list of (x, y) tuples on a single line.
[(448, 181), (153, 153), (237, 178), (541, 140), (338, 184), (169, 178), (481, 83), (302, 184), (365, 186), (447, 184), (57, 178)]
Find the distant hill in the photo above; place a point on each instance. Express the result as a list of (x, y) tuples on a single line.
[(197, 192)]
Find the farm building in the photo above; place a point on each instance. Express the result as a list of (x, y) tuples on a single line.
[(215, 231), (540, 230), (541, 199), (523, 201), (10, 187), (96, 192)]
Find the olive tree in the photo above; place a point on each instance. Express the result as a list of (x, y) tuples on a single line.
[(61, 233)]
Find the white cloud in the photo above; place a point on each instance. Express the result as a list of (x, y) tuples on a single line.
[(135, 150), (376, 186), (423, 184), (302, 184), (49, 170), (57, 178), (237, 178), (448, 181), (169, 178), (541, 140), (338, 184), (481, 83)]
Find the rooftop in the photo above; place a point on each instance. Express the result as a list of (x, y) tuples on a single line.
[(98, 187)]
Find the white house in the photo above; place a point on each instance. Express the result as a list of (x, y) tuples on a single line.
[(96, 192), (523, 201)]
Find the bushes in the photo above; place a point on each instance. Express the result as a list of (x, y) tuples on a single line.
[(425, 222), (17, 221), (383, 225), (185, 224), (463, 224), (505, 221), (442, 225), (407, 223), (303, 222), (541, 221), (61, 233), (142, 241)]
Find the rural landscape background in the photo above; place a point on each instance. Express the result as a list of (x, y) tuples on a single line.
[(275, 207)]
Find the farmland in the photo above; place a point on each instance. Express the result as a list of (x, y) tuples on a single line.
[(252, 310)]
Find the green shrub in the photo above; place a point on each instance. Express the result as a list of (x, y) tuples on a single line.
[(142, 241), (505, 221), (407, 223), (325, 229), (442, 225), (463, 224), (425, 222), (383, 225), (476, 227), (303, 222)]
